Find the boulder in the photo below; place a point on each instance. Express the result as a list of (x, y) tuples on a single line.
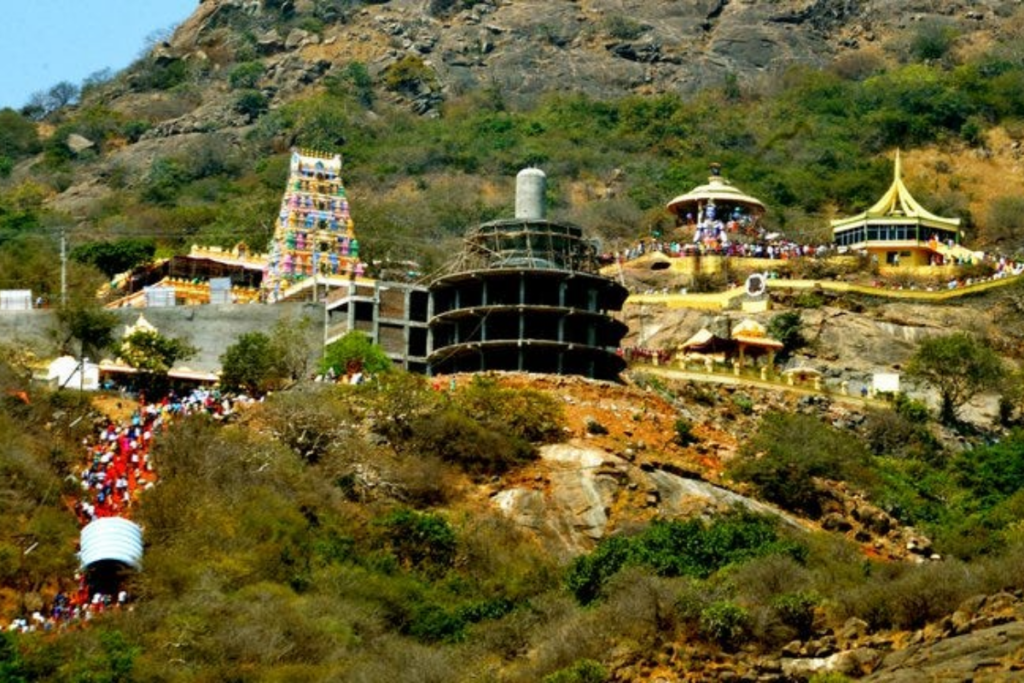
[(78, 143), (296, 38)]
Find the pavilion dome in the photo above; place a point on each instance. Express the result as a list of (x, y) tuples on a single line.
[(899, 206), (716, 191)]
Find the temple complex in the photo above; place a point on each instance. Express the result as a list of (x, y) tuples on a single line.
[(899, 231), (313, 234)]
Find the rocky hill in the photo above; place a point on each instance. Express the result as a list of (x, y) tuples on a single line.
[(209, 85), (605, 48)]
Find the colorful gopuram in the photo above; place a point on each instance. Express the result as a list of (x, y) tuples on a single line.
[(314, 233)]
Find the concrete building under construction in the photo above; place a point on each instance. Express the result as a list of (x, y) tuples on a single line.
[(525, 294)]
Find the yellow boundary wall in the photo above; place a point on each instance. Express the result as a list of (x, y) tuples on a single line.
[(728, 299)]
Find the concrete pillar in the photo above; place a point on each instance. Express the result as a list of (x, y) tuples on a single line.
[(764, 373)]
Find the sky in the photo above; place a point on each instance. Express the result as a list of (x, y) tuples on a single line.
[(44, 42)]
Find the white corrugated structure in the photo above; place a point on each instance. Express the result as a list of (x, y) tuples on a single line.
[(531, 185), (15, 300), (111, 539), (64, 372), (220, 290), (160, 297)]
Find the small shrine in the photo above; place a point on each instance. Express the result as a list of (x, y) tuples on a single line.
[(747, 341), (718, 212), (313, 234), (897, 230)]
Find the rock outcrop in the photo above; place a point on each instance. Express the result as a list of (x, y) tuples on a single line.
[(598, 47)]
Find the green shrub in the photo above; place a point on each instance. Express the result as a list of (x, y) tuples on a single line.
[(354, 79), (890, 433), (796, 610), (724, 623), (435, 624), (690, 548), (829, 677), (311, 24), (622, 27), (684, 432), (459, 439), (246, 75), (809, 300), (786, 327), (744, 403), (583, 671), (151, 74), (993, 473), (134, 129), (12, 667), (911, 409), (18, 135), (914, 597), (789, 451), (527, 414), (251, 103), (165, 180), (933, 40), (408, 74), (419, 540)]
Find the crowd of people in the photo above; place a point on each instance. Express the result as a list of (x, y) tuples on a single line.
[(641, 354), (776, 248), (116, 468)]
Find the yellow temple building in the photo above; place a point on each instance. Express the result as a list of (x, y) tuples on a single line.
[(899, 231)]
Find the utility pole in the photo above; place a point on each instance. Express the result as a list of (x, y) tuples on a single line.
[(63, 268)]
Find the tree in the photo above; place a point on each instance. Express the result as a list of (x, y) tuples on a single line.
[(786, 328), (251, 103), (258, 362), (92, 325), (293, 343), (151, 352), (958, 366), (791, 450), (355, 347), (249, 364), (115, 257), (61, 95)]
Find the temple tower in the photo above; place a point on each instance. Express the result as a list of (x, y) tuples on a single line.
[(313, 234)]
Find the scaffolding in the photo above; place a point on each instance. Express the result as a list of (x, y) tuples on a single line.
[(525, 294), (526, 244)]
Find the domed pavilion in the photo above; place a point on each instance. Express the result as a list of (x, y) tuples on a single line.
[(717, 210)]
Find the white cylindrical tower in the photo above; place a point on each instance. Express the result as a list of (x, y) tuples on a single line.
[(531, 184)]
